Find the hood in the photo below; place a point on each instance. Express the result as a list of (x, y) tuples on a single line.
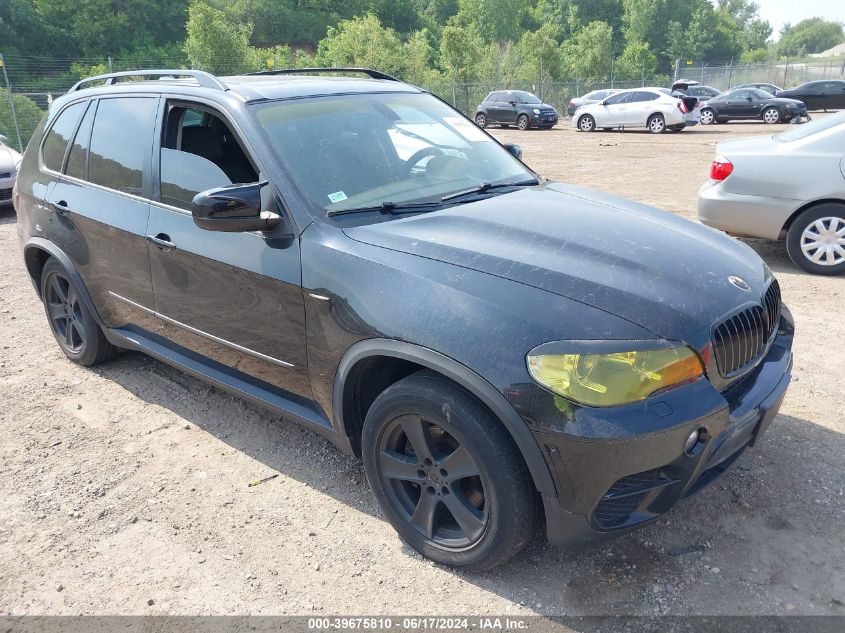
[(663, 273), (785, 101), (8, 158)]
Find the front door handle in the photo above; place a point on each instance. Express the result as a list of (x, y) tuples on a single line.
[(162, 240)]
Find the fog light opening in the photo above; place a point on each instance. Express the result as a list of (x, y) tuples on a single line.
[(694, 439)]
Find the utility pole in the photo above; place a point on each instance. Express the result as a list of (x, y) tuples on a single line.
[(11, 101)]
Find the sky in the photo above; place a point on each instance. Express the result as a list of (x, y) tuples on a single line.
[(778, 12)]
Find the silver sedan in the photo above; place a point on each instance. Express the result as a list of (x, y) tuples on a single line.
[(9, 160), (788, 186)]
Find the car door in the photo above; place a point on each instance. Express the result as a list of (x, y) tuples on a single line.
[(613, 110), (733, 105), (508, 105), (749, 105), (639, 107), (101, 209), (838, 95), (233, 298)]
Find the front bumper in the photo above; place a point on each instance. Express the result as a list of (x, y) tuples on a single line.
[(6, 185), (540, 120), (612, 476), (741, 214)]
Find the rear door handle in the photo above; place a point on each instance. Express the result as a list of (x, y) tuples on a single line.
[(162, 240), (60, 207)]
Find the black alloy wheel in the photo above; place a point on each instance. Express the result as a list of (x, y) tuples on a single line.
[(432, 479)]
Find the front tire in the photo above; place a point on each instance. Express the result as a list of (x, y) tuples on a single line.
[(522, 122), (587, 123), (447, 475), (816, 240), (481, 120), (656, 124), (771, 115), (72, 324)]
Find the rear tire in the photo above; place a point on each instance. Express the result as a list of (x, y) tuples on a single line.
[(481, 120), (708, 117), (815, 241), (522, 122), (656, 124), (72, 324), (447, 475), (586, 123)]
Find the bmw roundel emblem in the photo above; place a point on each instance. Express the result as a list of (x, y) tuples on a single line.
[(740, 283)]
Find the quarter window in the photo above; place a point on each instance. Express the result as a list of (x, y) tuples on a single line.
[(55, 144), (120, 142), (77, 160)]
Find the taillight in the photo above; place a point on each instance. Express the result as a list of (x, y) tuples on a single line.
[(682, 106), (570, 104), (721, 168)]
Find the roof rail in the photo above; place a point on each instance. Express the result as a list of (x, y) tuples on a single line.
[(375, 74), (204, 79)]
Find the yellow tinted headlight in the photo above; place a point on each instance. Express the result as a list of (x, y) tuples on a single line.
[(604, 380)]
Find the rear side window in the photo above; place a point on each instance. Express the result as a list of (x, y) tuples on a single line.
[(55, 144), (643, 96), (120, 142), (77, 160)]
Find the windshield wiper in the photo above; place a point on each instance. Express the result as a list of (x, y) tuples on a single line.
[(390, 207), (487, 186)]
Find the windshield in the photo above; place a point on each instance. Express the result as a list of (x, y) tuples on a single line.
[(361, 151), (813, 127), (525, 97)]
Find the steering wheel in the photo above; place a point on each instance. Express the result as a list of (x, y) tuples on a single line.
[(419, 155)]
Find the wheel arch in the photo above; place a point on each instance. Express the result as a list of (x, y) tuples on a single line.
[(806, 207), (37, 251), (397, 359)]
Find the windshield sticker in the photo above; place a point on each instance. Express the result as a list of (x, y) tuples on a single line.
[(337, 196), (467, 129)]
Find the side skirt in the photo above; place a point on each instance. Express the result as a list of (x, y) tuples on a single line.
[(290, 406)]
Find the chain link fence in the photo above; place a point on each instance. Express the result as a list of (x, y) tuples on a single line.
[(29, 84)]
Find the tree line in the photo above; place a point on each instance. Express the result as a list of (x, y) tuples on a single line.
[(420, 40)]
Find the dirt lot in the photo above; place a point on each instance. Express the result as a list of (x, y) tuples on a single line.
[(124, 489)]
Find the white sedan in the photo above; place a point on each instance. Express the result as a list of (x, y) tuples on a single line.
[(649, 108), (788, 186), (9, 161)]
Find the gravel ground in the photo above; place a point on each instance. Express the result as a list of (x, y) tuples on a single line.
[(123, 489)]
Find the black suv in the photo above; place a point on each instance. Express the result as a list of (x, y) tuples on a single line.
[(498, 348), (515, 107)]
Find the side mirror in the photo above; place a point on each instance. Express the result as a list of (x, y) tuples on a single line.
[(233, 209), (513, 103), (604, 103), (516, 150), (749, 99), (3, 140)]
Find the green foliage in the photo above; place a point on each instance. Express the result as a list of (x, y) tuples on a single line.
[(637, 60), (217, 44), (28, 115), (363, 42), (588, 54), (810, 36)]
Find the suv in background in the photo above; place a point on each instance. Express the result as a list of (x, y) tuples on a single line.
[(422, 299), (515, 107)]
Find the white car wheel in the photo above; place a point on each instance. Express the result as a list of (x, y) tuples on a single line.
[(707, 117), (816, 240), (586, 123), (481, 120), (656, 124)]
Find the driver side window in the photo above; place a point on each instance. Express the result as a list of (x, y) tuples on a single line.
[(199, 152), (618, 99)]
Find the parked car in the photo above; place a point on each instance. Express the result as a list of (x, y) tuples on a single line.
[(751, 103), (596, 96), (691, 88), (790, 186), (9, 160), (650, 108), (473, 331), (828, 94), (515, 107), (772, 89)]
